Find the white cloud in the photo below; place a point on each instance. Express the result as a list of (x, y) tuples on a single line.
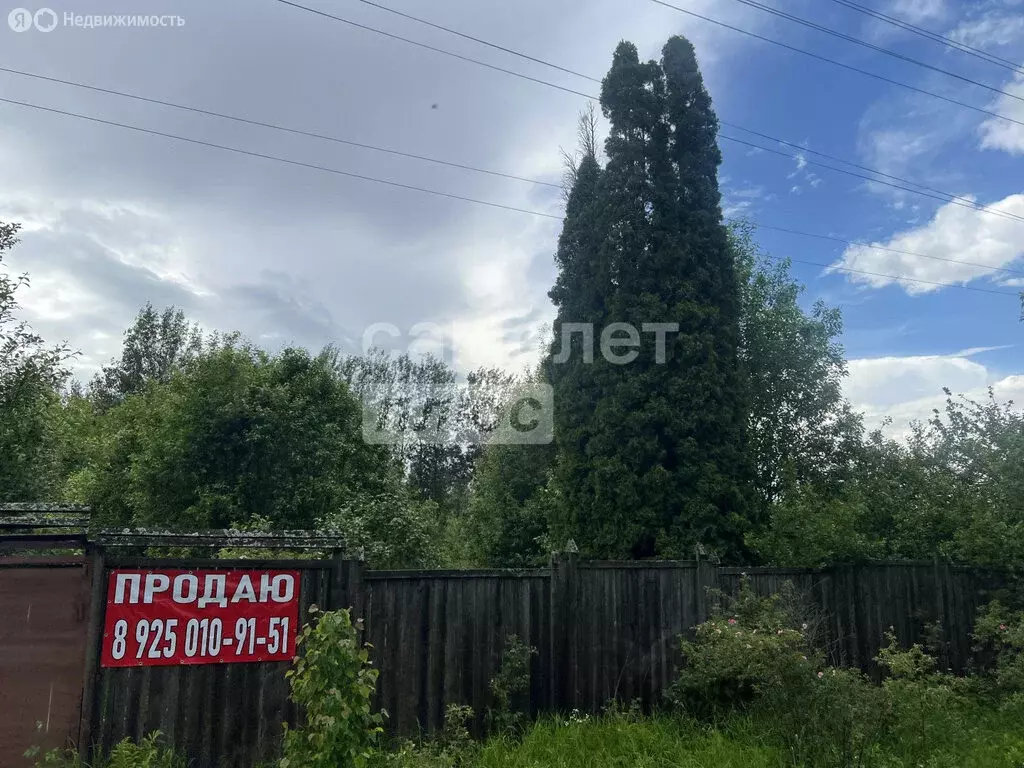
[(1002, 134), (957, 233), (916, 11), (906, 389), (991, 30)]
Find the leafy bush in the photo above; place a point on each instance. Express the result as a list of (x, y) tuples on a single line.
[(750, 665), (148, 753), (999, 635), (333, 681), (512, 679), (741, 654)]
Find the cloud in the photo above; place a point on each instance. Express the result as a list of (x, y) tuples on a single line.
[(906, 389), (994, 29), (955, 232), (1002, 134), (917, 11), (115, 217)]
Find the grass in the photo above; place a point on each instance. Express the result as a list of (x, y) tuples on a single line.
[(625, 743), (994, 739)]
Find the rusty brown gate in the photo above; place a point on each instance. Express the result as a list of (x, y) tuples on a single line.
[(44, 597)]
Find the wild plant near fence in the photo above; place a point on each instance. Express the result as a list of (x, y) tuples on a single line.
[(333, 681)]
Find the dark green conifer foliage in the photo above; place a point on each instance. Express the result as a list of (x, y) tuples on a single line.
[(651, 453)]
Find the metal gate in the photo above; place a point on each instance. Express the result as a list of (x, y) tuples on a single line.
[(44, 596)]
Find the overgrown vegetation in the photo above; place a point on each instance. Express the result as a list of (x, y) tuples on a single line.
[(332, 681), (151, 752)]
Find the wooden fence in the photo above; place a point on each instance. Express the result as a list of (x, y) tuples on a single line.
[(601, 630)]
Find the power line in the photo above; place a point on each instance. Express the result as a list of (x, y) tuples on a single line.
[(834, 62), (276, 127), (425, 190), (946, 196), (802, 149), (878, 48), (489, 44), (904, 279), (874, 247), (275, 158), (963, 202), (850, 67), (442, 51), (979, 53)]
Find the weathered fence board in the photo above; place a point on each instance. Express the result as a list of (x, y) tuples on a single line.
[(42, 642), (218, 714), (438, 639), (601, 630)]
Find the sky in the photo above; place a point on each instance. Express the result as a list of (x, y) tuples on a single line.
[(288, 254)]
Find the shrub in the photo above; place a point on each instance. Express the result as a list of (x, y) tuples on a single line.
[(333, 681), (148, 753), (742, 653), (511, 680), (999, 634)]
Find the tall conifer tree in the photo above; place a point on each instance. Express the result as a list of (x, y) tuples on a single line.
[(652, 457)]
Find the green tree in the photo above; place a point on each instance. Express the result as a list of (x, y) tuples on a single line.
[(239, 434), (155, 346), (436, 424), (660, 467), (802, 428), (512, 501), (31, 376)]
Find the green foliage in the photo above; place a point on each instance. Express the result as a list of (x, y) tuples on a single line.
[(999, 635), (952, 489), (759, 676), (394, 529), (437, 425), (905, 664), (744, 653), (803, 432), (148, 753), (155, 346), (333, 681), (31, 376), (806, 527), (652, 457), (512, 681), (236, 435), (511, 504)]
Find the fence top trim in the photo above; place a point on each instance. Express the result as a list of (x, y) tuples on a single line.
[(209, 563), (50, 509), (218, 538), (476, 573)]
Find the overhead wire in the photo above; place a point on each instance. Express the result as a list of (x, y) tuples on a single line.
[(372, 179), (368, 28), (958, 45), (435, 49), (871, 46), (276, 158), (928, 191), (834, 62), (463, 198), (946, 196), (958, 201), (274, 126)]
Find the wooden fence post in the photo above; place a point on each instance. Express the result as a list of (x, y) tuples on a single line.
[(93, 644), (563, 629), (347, 584), (706, 576)]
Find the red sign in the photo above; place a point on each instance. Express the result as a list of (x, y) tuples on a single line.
[(170, 617)]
